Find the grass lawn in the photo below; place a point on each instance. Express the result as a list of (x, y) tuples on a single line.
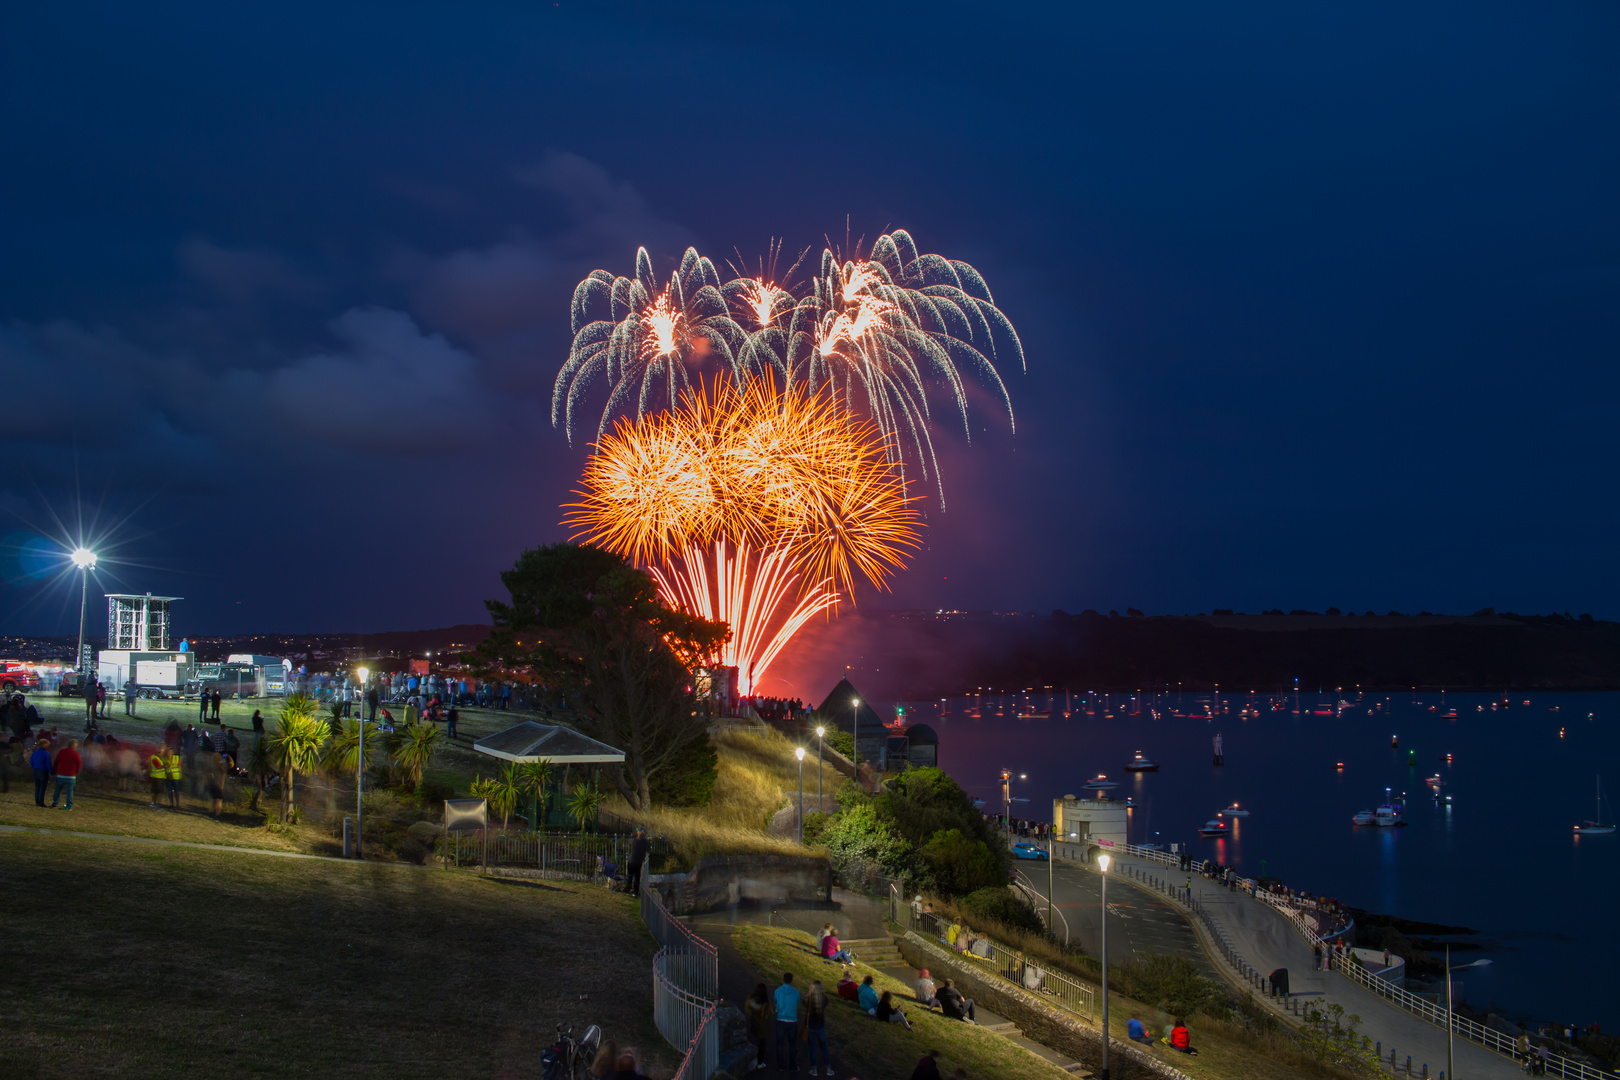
[(863, 1047), (122, 960)]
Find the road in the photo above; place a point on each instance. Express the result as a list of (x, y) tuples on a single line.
[(1146, 921)]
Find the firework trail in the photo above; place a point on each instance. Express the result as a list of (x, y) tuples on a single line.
[(880, 331)]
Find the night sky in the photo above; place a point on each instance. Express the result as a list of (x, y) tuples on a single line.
[(1320, 303)]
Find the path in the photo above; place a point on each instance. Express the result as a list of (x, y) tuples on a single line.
[(1268, 941)]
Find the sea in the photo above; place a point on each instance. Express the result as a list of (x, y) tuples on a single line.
[(1489, 846)]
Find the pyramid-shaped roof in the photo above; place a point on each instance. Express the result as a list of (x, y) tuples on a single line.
[(530, 741), (838, 709)]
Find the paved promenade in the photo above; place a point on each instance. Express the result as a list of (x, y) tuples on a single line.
[(1268, 941)]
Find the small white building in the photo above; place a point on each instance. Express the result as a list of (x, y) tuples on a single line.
[(1074, 819)]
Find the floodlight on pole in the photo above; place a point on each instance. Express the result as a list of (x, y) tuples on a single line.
[(855, 738), (85, 560)]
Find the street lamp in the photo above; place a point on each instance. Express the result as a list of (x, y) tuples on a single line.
[(1102, 864), (855, 737), (1006, 795), (798, 752), (360, 773), (85, 560), (821, 735)]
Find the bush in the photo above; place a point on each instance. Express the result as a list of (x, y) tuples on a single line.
[(1000, 904), (687, 779), (1172, 982), (431, 794), (956, 866), (860, 844), (814, 825)]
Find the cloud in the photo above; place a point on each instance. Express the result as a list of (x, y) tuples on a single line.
[(392, 390), (244, 276)]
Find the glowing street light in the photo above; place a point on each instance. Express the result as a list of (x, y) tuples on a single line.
[(798, 752), (1102, 864), (821, 735), (360, 770), (85, 560), (855, 737)]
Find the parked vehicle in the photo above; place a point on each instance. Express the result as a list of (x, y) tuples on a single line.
[(18, 675), (1026, 850)]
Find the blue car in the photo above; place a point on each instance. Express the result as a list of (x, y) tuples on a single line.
[(1025, 850)]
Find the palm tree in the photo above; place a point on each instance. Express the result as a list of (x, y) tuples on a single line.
[(410, 746), (534, 777), (582, 805), (501, 792), (296, 745), (340, 757)]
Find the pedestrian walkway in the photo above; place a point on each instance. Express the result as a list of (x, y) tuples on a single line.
[(1268, 941)]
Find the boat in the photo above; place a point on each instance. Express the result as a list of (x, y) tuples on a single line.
[(1141, 764), (1099, 783), (1234, 811), (1213, 827), (1595, 828), (1385, 816), (1364, 817)]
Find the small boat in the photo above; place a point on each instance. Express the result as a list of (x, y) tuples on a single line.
[(1141, 764), (1099, 783), (1387, 815), (1234, 811), (1364, 817), (1595, 828), (1213, 827)]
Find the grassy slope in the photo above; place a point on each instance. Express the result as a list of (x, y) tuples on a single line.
[(124, 961), (865, 1048)]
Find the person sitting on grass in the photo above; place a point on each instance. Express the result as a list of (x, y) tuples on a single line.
[(927, 1067), (927, 993), (847, 987), (889, 1012), (1136, 1032), (1181, 1039), (868, 998), (831, 950), (954, 1005)]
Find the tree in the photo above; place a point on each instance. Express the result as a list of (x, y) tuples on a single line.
[(410, 747), (583, 621), (341, 755), (295, 746), (582, 805), (534, 777), (501, 791)]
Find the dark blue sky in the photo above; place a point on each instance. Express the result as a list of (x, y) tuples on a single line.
[(1320, 303)]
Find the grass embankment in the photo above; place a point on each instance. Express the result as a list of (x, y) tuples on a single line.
[(1242, 1042), (758, 775), (862, 1046), (129, 961)]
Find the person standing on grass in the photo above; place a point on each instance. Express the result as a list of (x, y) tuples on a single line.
[(157, 773), (214, 780), (89, 694), (202, 705), (232, 746), (815, 1026), (189, 740), (787, 1023), (171, 776), (129, 698), (757, 1011), (451, 719), (101, 699), (40, 762), (638, 858), (258, 726), (216, 703), (68, 764)]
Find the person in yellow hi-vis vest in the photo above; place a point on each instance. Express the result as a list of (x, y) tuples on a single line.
[(172, 776), (157, 771)]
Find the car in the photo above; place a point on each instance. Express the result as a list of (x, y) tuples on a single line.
[(18, 675), (1026, 850)]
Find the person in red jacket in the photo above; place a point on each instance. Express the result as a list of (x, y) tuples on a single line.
[(68, 764)]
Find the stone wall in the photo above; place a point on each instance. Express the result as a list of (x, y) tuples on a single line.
[(718, 881), (1037, 1018)]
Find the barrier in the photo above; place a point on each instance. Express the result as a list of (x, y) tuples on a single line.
[(686, 989)]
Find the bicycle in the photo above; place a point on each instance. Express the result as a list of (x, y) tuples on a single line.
[(568, 1059)]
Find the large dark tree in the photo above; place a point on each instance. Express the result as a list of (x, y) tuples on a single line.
[(583, 621)]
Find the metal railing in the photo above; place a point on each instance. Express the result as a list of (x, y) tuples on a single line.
[(679, 1013), (702, 1058), (692, 963), (1289, 908), (1009, 965)]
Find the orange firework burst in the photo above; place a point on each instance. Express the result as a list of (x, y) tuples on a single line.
[(752, 506), (777, 469)]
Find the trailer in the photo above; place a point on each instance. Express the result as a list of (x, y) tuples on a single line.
[(155, 674)]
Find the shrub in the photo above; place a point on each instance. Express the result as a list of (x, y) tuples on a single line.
[(688, 779), (860, 844), (999, 904), (431, 794), (956, 865)]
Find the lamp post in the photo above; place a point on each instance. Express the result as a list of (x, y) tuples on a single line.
[(855, 737), (1102, 864), (1451, 1067), (360, 773), (798, 752), (85, 560), (1006, 796), (821, 735)]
